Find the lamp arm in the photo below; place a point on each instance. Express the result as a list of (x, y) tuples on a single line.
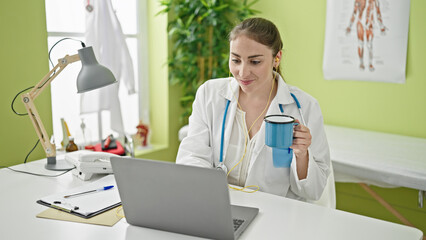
[(28, 99), (50, 76)]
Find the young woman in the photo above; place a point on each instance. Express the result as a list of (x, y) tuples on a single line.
[(255, 91)]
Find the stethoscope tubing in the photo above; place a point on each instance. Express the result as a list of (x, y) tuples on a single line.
[(223, 131), (298, 106)]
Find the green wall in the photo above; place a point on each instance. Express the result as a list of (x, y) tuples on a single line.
[(357, 104), (23, 49), (165, 110)]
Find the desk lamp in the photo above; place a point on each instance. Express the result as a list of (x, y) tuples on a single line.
[(92, 76)]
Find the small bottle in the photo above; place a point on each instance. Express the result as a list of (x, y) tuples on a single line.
[(71, 147)]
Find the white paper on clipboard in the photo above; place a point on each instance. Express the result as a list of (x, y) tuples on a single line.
[(86, 205)]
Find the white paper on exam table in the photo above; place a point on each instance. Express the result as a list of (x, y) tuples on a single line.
[(88, 205), (381, 159)]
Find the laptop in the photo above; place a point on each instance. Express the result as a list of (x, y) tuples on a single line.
[(177, 198)]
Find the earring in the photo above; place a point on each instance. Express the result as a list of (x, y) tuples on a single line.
[(277, 60)]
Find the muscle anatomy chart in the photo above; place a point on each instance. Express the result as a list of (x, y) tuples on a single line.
[(366, 40)]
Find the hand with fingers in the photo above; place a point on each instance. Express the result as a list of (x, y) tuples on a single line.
[(302, 139)]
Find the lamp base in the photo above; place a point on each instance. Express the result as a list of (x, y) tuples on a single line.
[(54, 165)]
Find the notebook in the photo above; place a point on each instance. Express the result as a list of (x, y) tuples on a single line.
[(177, 198)]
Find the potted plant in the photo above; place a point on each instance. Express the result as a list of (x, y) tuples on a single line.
[(198, 30)]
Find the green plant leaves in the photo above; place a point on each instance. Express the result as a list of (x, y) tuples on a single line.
[(200, 49)]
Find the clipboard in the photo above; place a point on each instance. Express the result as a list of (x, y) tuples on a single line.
[(86, 205)]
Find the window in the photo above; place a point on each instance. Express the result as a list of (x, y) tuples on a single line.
[(66, 18)]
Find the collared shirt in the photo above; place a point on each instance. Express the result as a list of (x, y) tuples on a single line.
[(240, 150)]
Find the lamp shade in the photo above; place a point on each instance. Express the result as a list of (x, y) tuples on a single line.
[(92, 75)]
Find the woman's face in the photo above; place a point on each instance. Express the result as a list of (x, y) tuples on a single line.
[(251, 64)]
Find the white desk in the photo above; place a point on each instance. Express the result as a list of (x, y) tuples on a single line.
[(278, 218)]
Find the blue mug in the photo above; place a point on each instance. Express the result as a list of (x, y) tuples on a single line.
[(279, 136)]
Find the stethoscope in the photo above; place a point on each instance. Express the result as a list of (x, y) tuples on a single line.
[(221, 164)]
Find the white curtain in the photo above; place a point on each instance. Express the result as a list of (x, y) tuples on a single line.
[(104, 34)]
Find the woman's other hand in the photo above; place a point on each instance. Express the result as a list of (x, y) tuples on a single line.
[(301, 141)]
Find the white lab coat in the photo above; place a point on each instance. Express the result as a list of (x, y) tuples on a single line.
[(104, 34), (201, 147)]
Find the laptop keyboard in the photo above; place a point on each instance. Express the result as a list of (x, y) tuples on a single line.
[(237, 223)]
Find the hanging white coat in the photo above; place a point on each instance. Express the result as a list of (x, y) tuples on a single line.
[(104, 34), (201, 147)]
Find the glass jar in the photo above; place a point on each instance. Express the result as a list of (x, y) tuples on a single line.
[(71, 147)]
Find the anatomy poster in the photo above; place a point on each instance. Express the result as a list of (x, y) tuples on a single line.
[(366, 40)]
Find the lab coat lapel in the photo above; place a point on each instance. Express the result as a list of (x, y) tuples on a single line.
[(230, 92), (283, 95)]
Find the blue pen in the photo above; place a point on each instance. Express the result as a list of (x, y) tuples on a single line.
[(91, 191)]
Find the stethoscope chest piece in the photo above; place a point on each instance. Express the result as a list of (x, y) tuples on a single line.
[(222, 167)]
